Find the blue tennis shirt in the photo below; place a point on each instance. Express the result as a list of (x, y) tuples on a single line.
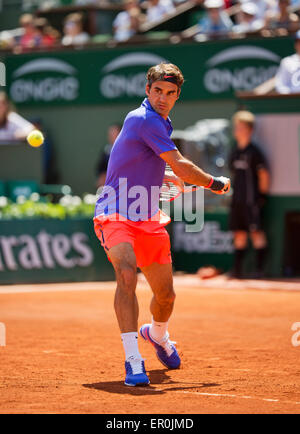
[(135, 170)]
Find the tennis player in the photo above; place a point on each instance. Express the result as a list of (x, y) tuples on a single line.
[(130, 225)]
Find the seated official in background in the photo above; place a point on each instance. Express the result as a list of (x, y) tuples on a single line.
[(288, 74), (250, 186), (12, 126)]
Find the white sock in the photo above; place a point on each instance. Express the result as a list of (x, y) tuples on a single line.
[(130, 344), (158, 330)]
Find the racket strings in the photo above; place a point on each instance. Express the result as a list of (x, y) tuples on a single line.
[(168, 190)]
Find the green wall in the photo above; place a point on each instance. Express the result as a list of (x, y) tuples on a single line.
[(274, 216), (79, 132), (10, 13)]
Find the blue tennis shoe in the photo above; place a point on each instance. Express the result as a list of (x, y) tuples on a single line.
[(166, 351), (136, 373)]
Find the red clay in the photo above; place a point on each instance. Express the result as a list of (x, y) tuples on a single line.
[(64, 353)]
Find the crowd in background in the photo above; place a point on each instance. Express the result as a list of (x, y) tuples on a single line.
[(36, 32), (252, 16), (217, 18)]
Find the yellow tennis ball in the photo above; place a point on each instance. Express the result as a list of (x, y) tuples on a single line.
[(35, 138)]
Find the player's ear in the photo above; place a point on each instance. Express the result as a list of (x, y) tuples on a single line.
[(178, 93), (147, 90)]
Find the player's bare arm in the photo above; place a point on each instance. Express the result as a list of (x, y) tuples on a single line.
[(188, 172)]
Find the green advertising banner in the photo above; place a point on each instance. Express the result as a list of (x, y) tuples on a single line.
[(51, 251), (34, 251), (211, 246), (67, 250), (213, 69)]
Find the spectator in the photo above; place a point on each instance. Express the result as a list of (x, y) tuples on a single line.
[(262, 6), (216, 19), (228, 3), (101, 169), (44, 35), (157, 9), (283, 19), (12, 126), (288, 74), (7, 40), (127, 22), (73, 30), (249, 21), (250, 183), (26, 41)]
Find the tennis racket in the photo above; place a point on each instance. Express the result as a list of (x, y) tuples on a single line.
[(170, 191)]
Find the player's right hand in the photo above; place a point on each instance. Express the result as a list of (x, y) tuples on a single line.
[(220, 185)]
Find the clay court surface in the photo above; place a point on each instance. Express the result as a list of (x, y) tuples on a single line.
[(64, 354)]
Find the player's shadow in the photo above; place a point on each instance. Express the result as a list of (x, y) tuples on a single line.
[(157, 378)]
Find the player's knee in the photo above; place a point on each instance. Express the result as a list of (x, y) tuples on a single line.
[(128, 277), (172, 297), (166, 297)]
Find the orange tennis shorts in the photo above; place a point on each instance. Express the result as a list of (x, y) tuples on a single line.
[(149, 239)]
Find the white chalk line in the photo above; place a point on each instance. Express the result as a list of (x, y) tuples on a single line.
[(24, 290), (221, 282), (227, 395), (191, 282), (63, 287)]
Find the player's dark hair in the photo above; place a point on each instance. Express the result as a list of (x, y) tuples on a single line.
[(165, 72)]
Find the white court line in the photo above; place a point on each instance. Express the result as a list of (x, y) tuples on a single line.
[(221, 282), (227, 395), (57, 287), (64, 287), (191, 282)]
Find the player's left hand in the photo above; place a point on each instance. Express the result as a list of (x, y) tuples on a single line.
[(220, 185)]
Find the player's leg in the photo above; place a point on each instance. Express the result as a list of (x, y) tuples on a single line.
[(123, 259), (259, 242), (160, 279)]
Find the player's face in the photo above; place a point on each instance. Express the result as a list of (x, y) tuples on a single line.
[(162, 96), (242, 133), (297, 46)]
